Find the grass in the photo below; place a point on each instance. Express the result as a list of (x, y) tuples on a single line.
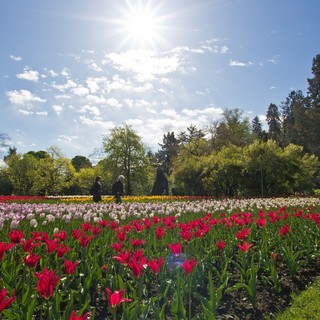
[(304, 306)]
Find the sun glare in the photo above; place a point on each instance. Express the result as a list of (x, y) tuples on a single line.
[(141, 25)]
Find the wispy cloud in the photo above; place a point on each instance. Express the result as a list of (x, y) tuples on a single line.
[(15, 58), (236, 63)]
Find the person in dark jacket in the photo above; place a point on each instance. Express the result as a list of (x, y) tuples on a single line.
[(118, 189), (96, 189)]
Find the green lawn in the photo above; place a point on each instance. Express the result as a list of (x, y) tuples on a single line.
[(304, 306)]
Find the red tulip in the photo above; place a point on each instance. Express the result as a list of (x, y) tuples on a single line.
[(116, 246), (155, 265), (137, 266), (116, 297), (245, 247), (74, 316), (16, 236), (137, 242), (61, 235), (4, 247), (242, 234), (47, 281), (175, 248), (31, 260), (284, 230), (189, 265), (221, 245), (160, 232), (3, 301), (123, 257), (70, 266)]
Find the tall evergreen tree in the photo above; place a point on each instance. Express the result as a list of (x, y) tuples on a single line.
[(314, 95), (274, 123), (256, 127), (314, 83), (169, 149)]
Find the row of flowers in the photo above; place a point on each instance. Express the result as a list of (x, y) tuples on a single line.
[(105, 198), (131, 261)]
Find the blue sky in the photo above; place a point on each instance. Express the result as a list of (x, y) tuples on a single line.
[(72, 70)]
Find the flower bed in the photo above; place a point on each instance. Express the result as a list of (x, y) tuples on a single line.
[(205, 259)]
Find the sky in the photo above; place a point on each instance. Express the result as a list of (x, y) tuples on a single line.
[(73, 70)]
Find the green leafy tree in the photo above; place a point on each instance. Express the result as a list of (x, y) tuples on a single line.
[(80, 162), (223, 170), (126, 155), (186, 177), (54, 175), (193, 141), (20, 171), (232, 129)]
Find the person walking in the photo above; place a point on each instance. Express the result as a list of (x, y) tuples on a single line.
[(96, 190), (117, 189)]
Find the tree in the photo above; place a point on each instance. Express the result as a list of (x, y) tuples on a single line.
[(80, 162), (256, 128), (39, 154), (314, 83), (222, 172), (54, 174), (232, 129), (193, 141), (295, 120), (274, 123), (21, 173), (169, 149), (4, 142), (161, 185), (126, 155)]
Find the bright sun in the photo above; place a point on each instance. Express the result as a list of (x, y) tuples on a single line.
[(141, 25)]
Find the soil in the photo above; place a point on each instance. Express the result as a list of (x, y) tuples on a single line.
[(237, 306)]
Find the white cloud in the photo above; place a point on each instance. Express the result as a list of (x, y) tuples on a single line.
[(95, 99), (94, 84), (112, 102), (15, 58), (66, 138), (57, 109), (144, 63), (28, 74), (52, 73), (235, 63), (90, 109), (63, 87), (80, 91), (22, 97)]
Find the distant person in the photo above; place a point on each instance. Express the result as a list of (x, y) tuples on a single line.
[(96, 190), (117, 189)]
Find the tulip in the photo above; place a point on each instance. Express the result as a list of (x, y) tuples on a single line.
[(31, 260), (74, 316), (70, 266), (47, 281), (116, 298), (175, 248), (4, 247), (3, 301), (245, 247), (188, 265)]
